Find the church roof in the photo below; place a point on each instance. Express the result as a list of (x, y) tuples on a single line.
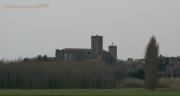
[(76, 50)]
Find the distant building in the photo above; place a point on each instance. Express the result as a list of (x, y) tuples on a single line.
[(73, 54), (96, 52), (176, 70), (168, 64)]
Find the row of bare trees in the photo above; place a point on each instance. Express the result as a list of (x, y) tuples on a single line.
[(50, 75)]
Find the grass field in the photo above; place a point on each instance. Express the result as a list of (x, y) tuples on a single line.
[(89, 92)]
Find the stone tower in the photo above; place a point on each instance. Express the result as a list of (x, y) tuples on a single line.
[(97, 45), (113, 51)]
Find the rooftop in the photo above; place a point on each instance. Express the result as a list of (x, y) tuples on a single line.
[(77, 49)]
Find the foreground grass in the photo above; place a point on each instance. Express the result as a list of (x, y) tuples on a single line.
[(89, 92)]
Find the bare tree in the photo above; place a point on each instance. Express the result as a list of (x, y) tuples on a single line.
[(151, 64)]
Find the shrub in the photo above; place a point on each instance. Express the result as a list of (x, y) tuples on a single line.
[(133, 83), (173, 83)]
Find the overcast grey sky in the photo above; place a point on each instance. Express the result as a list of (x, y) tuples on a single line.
[(70, 23)]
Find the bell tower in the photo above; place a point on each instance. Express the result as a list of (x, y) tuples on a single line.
[(113, 51), (97, 45)]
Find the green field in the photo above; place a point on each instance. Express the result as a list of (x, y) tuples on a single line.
[(89, 92)]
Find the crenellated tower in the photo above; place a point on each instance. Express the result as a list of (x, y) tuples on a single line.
[(113, 51)]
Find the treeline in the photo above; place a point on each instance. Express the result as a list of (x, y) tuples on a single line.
[(51, 75)]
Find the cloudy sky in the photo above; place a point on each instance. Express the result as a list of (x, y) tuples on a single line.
[(27, 32)]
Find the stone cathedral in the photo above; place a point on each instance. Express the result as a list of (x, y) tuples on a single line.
[(96, 52)]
